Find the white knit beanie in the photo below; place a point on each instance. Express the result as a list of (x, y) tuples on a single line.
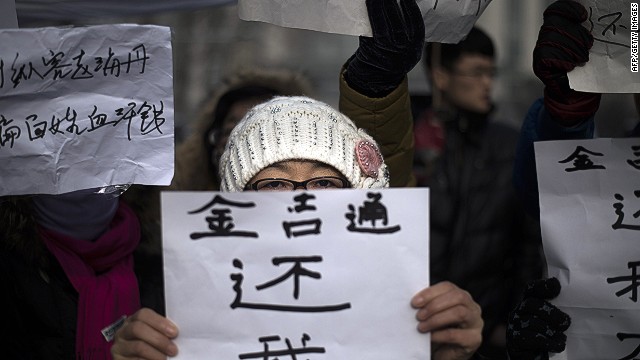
[(300, 128)]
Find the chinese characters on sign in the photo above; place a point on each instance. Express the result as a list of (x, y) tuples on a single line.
[(613, 59), (590, 218), (55, 66), (70, 110), (324, 274), (446, 21)]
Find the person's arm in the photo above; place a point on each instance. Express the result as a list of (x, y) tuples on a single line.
[(563, 113), (373, 82), (388, 120), (539, 126), (536, 327)]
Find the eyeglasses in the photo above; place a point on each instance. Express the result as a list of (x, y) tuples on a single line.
[(491, 73), (317, 183)]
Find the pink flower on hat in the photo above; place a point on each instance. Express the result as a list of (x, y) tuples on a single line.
[(369, 158)]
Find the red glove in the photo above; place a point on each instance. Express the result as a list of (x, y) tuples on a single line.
[(563, 43)]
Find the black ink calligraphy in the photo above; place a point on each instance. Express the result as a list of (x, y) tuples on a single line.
[(8, 134), (619, 211), (632, 279), (69, 122), (60, 65), (371, 211), (635, 163), (636, 351), (306, 226), (290, 351), (581, 160), (221, 222), (295, 273), (610, 23)]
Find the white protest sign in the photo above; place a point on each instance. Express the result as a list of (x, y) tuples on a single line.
[(446, 21), (589, 207), (85, 107), (310, 275), (613, 60)]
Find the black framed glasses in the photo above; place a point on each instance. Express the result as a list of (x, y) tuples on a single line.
[(317, 183)]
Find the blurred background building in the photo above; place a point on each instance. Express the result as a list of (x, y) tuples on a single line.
[(209, 41)]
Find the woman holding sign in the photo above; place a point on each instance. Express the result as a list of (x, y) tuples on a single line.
[(294, 143)]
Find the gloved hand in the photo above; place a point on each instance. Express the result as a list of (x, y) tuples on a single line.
[(381, 62), (563, 43), (536, 327)]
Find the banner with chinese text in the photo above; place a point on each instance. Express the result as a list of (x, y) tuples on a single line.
[(85, 107), (589, 213), (309, 275), (613, 65), (446, 21)]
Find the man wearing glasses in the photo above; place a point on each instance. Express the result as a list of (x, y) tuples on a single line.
[(481, 238)]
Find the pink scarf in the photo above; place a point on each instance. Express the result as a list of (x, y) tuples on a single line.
[(102, 273)]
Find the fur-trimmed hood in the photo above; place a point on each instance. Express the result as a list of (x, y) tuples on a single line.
[(18, 232), (193, 162)]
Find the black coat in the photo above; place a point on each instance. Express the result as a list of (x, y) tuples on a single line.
[(39, 304), (481, 238)]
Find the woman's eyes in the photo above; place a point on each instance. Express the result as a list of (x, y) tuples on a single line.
[(322, 184), (275, 184)]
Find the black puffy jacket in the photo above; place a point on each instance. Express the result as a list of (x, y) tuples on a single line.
[(481, 238)]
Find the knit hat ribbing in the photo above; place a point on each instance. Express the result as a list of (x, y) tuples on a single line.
[(300, 128)]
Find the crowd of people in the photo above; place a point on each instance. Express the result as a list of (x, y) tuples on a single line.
[(75, 264)]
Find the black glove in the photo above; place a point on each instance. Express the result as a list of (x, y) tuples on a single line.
[(381, 62), (536, 327), (563, 43)]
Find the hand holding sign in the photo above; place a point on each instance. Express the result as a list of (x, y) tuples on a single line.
[(452, 317), (145, 335), (536, 327)]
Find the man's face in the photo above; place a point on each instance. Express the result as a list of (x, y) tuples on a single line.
[(468, 86)]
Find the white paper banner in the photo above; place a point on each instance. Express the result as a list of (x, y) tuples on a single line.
[(85, 107), (613, 60), (80, 10), (309, 275), (446, 21), (589, 207)]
